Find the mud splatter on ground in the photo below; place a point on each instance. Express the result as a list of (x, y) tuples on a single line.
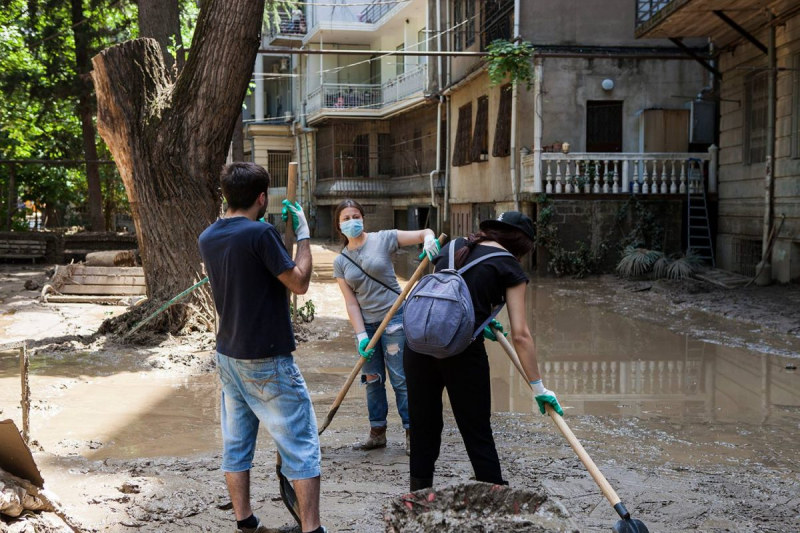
[(694, 435)]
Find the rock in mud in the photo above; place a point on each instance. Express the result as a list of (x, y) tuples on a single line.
[(477, 508), (32, 285)]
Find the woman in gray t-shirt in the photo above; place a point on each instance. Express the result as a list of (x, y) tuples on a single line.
[(366, 277)]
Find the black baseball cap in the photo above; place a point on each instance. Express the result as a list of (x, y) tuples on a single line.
[(511, 219)]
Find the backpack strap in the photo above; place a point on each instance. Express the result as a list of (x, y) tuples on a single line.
[(486, 323), (367, 274), (481, 259)]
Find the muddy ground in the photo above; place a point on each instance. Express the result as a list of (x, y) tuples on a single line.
[(685, 395)]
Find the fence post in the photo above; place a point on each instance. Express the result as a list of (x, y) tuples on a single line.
[(712, 168)]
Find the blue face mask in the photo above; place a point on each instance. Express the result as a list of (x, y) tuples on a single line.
[(352, 228)]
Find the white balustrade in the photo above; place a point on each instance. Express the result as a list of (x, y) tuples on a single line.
[(617, 173)]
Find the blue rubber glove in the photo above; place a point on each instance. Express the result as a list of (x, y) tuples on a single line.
[(489, 334), (362, 340), (544, 396)]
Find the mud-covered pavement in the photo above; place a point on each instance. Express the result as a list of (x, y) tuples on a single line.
[(696, 431)]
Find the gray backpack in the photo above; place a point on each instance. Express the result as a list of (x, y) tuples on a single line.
[(439, 318)]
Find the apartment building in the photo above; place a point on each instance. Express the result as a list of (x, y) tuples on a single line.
[(757, 70), (607, 116), (361, 124)]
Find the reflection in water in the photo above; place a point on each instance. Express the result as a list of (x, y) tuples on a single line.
[(602, 363)]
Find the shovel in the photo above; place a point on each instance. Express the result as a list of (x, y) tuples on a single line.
[(626, 524), (377, 337)]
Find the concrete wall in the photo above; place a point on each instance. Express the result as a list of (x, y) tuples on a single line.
[(640, 83), (741, 185), (595, 221)]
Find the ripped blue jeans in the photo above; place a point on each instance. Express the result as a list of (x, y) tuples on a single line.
[(388, 356)]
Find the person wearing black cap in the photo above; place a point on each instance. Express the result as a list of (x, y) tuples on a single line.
[(495, 281)]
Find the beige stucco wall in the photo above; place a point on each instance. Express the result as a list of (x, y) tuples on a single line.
[(487, 181), (741, 186)]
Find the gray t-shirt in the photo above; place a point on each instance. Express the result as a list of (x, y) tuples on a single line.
[(375, 257)]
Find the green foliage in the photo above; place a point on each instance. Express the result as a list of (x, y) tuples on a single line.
[(40, 84), (647, 231), (305, 312), (637, 261), (273, 10), (512, 61)]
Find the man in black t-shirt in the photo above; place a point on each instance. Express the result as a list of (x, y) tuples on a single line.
[(250, 270)]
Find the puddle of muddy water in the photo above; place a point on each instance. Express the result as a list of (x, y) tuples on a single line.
[(602, 363)]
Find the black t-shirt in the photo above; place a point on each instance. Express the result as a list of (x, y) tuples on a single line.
[(487, 281), (243, 259)]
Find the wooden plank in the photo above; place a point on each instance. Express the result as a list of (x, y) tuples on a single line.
[(107, 271), (123, 290), (80, 299), (106, 280)]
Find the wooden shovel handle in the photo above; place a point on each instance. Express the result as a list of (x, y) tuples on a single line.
[(577, 447), (377, 337)]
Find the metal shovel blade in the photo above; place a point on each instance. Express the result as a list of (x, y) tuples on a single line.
[(288, 495), (630, 525)]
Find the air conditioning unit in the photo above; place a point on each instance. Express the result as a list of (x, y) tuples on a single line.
[(285, 64)]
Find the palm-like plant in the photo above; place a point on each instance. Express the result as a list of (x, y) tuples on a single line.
[(684, 265), (637, 261)]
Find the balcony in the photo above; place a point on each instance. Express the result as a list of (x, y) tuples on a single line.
[(646, 9), (290, 31), (369, 100), (617, 173), (353, 24)]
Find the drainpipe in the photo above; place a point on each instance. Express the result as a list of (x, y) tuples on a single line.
[(537, 125), (447, 163), (769, 186), (515, 184), (438, 170)]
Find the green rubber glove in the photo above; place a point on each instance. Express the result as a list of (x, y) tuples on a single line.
[(362, 340), (489, 334), (431, 248), (544, 396), (299, 222)]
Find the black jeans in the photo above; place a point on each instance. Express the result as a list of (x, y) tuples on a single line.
[(466, 377)]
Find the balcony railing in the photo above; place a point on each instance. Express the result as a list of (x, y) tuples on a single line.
[(618, 173), (645, 9), (376, 11), (288, 26), (367, 96)]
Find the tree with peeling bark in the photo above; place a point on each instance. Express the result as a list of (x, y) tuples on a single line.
[(170, 140)]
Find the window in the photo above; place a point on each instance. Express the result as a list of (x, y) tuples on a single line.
[(755, 134), (480, 139), (385, 157), (464, 19), (502, 132), (604, 126), (497, 21), (796, 122), (278, 167), (400, 66), (361, 153), (461, 150)]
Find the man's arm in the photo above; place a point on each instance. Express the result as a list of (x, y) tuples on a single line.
[(297, 279)]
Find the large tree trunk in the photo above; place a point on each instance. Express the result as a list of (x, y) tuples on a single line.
[(237, 144), (85, 115), (170, 141), (160, 19)]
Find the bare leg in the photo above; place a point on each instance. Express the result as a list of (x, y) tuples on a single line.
[(239, 489), (307, 491)]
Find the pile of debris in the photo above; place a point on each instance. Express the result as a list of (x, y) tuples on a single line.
[(105, 277)]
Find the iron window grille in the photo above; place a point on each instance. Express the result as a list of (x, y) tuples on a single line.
[(755, 135), (461, 154), (480, 139)]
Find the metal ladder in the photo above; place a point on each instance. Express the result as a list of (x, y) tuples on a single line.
[(698, 229)]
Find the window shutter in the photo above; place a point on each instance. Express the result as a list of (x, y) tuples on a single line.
[(480, 139)]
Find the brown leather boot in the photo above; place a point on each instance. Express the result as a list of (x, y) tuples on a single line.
[(376, 439)]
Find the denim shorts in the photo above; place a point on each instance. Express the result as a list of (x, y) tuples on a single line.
[(271, 391)]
